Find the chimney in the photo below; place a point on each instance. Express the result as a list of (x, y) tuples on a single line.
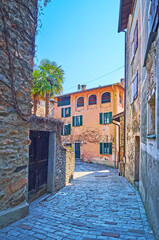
[(83, 87), (78, 87), (122, 82)]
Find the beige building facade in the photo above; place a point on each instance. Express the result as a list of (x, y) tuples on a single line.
[(140, 20)]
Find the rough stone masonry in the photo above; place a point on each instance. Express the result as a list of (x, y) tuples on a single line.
[(17, 41)]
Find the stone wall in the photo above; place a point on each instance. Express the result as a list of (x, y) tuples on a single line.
[(17, 36), (133, 64), (70, 165), (65, 160), (149, 162)]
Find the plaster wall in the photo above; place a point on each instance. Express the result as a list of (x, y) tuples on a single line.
[(91, 133), (149, 166), (133, 64)]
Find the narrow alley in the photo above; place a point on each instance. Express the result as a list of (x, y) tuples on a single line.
[(97, 204)]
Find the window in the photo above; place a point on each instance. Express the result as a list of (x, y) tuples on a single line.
[(135, 41), (120, 98), (153, 18), (105, 118), (153, 15), (151, 115), (63, 101), (66, 130), (92, 100), (80, 102), (136, 38), (105, 148), (77, 121), (105, 97), (134, 88), (66, 112)]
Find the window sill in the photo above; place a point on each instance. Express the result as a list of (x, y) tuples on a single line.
[(105, 154), (151, 136)]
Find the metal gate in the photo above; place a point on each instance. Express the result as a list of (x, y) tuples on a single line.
[(38, 160)]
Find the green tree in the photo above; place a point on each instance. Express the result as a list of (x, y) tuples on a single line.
[(47, 82)]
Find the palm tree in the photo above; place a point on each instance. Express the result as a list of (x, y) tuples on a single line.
[(47, 82)]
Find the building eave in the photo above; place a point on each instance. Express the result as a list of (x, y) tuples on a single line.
[(91, 89), (125, 10)]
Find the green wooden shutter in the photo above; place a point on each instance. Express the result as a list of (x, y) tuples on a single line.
[(73, 121), (100, 118), (110, 117), (69, 129), (110, 148), (62, 112), (101, 148), (69, 111), (61, 130), (81, 122)]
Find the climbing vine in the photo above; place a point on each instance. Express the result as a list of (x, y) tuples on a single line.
[(17, 45)]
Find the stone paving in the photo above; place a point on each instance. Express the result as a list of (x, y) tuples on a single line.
[(97, 204)]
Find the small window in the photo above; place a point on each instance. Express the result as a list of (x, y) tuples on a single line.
[(134, 88), (63, 101), (105, 118), (66, 130), (136, 38), (66, 112), (120, 98), (105, 148), (151, 115), (77, 121), (105, 97), (92, 100), (80, 102)]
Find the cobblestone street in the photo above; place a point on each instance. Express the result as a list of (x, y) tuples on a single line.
[(97, 204)]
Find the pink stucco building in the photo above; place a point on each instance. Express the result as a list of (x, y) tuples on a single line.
[(88, 127)]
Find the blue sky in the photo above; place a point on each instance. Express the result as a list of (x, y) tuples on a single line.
[(81, 35)]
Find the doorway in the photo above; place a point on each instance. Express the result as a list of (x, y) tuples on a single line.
[(77, 151), (38, 164), (137, 158)]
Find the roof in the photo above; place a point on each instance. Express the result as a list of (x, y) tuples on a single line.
[(126, 7), (117, 116), (68, 94)]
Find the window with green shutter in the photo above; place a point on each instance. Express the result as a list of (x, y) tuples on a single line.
[(66, 112), (66, 130), (77, 121), (106, 148), (105, 118)]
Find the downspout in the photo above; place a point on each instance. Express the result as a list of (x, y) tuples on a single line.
[(114, 112), (119, 137)]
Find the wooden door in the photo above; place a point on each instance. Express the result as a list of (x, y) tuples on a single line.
[(77, 150), (38, 159)]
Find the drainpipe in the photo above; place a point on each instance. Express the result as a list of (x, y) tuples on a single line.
[(119, 138), (114, 112)]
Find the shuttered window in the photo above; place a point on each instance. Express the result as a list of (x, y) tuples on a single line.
[(134, 88), (92, 100), (80, 102), (105, 118), (105, 97), (136, 37), (153, 15), (66, 112), (105, 148), (77, 121), (66, 130)]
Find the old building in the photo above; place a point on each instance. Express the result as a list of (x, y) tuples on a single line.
[(140, 19), (25, 165), (88, 127)]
